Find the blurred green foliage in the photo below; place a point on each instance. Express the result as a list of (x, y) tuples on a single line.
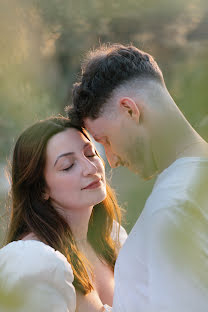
[(43, 42), (10, 301)]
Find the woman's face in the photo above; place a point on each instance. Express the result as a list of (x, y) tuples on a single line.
[(74, 174)]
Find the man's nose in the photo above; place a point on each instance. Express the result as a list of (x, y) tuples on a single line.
[(112, 158), (88, 167)]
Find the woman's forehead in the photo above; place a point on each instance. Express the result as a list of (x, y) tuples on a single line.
[(69, 140)]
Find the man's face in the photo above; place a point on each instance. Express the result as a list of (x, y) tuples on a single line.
[(125, 143)]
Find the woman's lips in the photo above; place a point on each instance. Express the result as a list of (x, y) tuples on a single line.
[(93, 185)]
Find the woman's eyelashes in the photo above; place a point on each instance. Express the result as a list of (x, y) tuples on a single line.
[(66, 169), (91, 155), (88, 154)]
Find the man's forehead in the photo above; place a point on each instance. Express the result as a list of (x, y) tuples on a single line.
[(96, 127)]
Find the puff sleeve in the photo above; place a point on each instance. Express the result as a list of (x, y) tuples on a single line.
[(40, 276), (119, 234)]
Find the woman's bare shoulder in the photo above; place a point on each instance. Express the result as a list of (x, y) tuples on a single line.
[(30, 236)]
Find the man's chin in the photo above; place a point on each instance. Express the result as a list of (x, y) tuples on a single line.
[(134, 169), (123, 164), (149, 175), (145, 175)]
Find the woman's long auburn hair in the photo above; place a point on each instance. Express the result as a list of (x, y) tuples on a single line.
[(31, 213)]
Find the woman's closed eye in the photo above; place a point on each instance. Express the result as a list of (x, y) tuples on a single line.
[(68, 168), (91, 155)]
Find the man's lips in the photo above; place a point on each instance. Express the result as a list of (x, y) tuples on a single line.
[(93, 184)]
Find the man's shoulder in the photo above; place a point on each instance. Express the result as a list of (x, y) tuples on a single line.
[(179, 185)]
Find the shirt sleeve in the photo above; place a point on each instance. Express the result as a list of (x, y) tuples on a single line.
[(36, 274), (177, 250)]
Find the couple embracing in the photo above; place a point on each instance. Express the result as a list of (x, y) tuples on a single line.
[(65, 246)]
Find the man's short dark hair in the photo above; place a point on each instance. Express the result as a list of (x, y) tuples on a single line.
[(103, 71)]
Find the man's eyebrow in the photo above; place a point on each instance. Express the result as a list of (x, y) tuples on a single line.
[(71, 153)]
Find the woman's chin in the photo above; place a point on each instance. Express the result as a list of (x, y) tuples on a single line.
[(100, 196)]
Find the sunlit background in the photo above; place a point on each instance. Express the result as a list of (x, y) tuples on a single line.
[(43, 42)]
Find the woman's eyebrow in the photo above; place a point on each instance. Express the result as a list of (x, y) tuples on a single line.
[(88, 144), (62, 155)]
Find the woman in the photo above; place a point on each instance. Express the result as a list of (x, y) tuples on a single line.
[(63, 237)]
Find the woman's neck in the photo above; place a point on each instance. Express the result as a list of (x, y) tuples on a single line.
[(78, 220)]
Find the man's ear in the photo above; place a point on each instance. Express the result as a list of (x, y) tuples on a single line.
[(129, 107)]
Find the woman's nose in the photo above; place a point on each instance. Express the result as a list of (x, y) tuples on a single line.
[(88, 167)]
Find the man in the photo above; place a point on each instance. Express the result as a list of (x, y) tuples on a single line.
[(122, 100)]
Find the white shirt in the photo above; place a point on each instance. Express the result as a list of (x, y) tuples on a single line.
[(163, 265), (36, 278)]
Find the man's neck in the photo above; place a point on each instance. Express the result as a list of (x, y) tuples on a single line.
[(178, 147), (195, 149)]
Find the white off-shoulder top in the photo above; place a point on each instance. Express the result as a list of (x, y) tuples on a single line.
[(36, 278)]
